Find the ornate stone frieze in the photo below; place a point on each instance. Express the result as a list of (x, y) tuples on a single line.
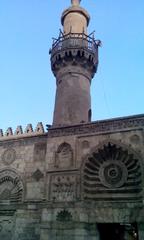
[(63, 188), (111, 125), (110, 171)]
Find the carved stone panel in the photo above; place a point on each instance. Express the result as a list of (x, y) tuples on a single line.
[(37, 175), (63, 187), (135, 139), (39, 151), (6, 227), (9, 156), (64, 156), (11, 187), (85, 144)]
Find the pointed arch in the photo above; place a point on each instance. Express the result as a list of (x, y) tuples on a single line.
[(64, 156)]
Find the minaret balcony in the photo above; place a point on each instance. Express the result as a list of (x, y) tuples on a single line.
[(73, 44)]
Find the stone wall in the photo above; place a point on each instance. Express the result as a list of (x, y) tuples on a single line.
[(47, 179)]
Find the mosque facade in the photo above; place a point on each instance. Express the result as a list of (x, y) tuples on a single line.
[(80, 180)]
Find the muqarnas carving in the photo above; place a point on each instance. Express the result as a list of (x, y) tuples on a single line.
[(63, 188), (111, 172), (64, 156), (39, 151), (11, 187)]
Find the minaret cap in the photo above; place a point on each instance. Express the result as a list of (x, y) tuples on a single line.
[(75, 2), (75, 8)]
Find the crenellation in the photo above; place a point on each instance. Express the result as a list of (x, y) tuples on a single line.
[(1, 133), (19, 130), (9, 134), (29, 128), (39, 128)]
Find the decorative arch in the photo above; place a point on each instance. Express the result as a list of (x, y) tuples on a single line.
[(11, 186), (111, 172), (64, 156), (64, 216)]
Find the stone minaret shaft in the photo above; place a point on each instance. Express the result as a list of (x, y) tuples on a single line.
[(74, 60)]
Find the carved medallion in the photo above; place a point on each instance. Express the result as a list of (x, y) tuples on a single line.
[(9, 156), (113, 174)]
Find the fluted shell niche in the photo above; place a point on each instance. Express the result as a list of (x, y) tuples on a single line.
[(111, 172)]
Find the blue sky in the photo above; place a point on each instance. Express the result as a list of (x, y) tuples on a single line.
[(26, 83)]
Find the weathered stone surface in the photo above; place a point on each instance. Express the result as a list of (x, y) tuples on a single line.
[(49, 189)]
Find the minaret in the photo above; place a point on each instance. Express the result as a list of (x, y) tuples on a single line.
[(74, 60)]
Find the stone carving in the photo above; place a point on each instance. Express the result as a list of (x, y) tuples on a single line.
[(11, 187), (63, 188), (111, 169), (9, 156), (6, 227), (113, 173), (85, 144), (135, 139), (64, 216), (99, 126), (40, 151), (37, 175), (64, 156)]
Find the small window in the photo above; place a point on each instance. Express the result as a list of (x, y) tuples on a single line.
[(89, 115)]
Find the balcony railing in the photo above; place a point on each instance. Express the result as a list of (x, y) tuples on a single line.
[(75, 41)]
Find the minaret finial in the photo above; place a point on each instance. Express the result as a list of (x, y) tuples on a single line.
[(75, 2)]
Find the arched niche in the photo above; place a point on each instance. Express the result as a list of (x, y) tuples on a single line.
[(11, 186), (112, 172), (64, 156)]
